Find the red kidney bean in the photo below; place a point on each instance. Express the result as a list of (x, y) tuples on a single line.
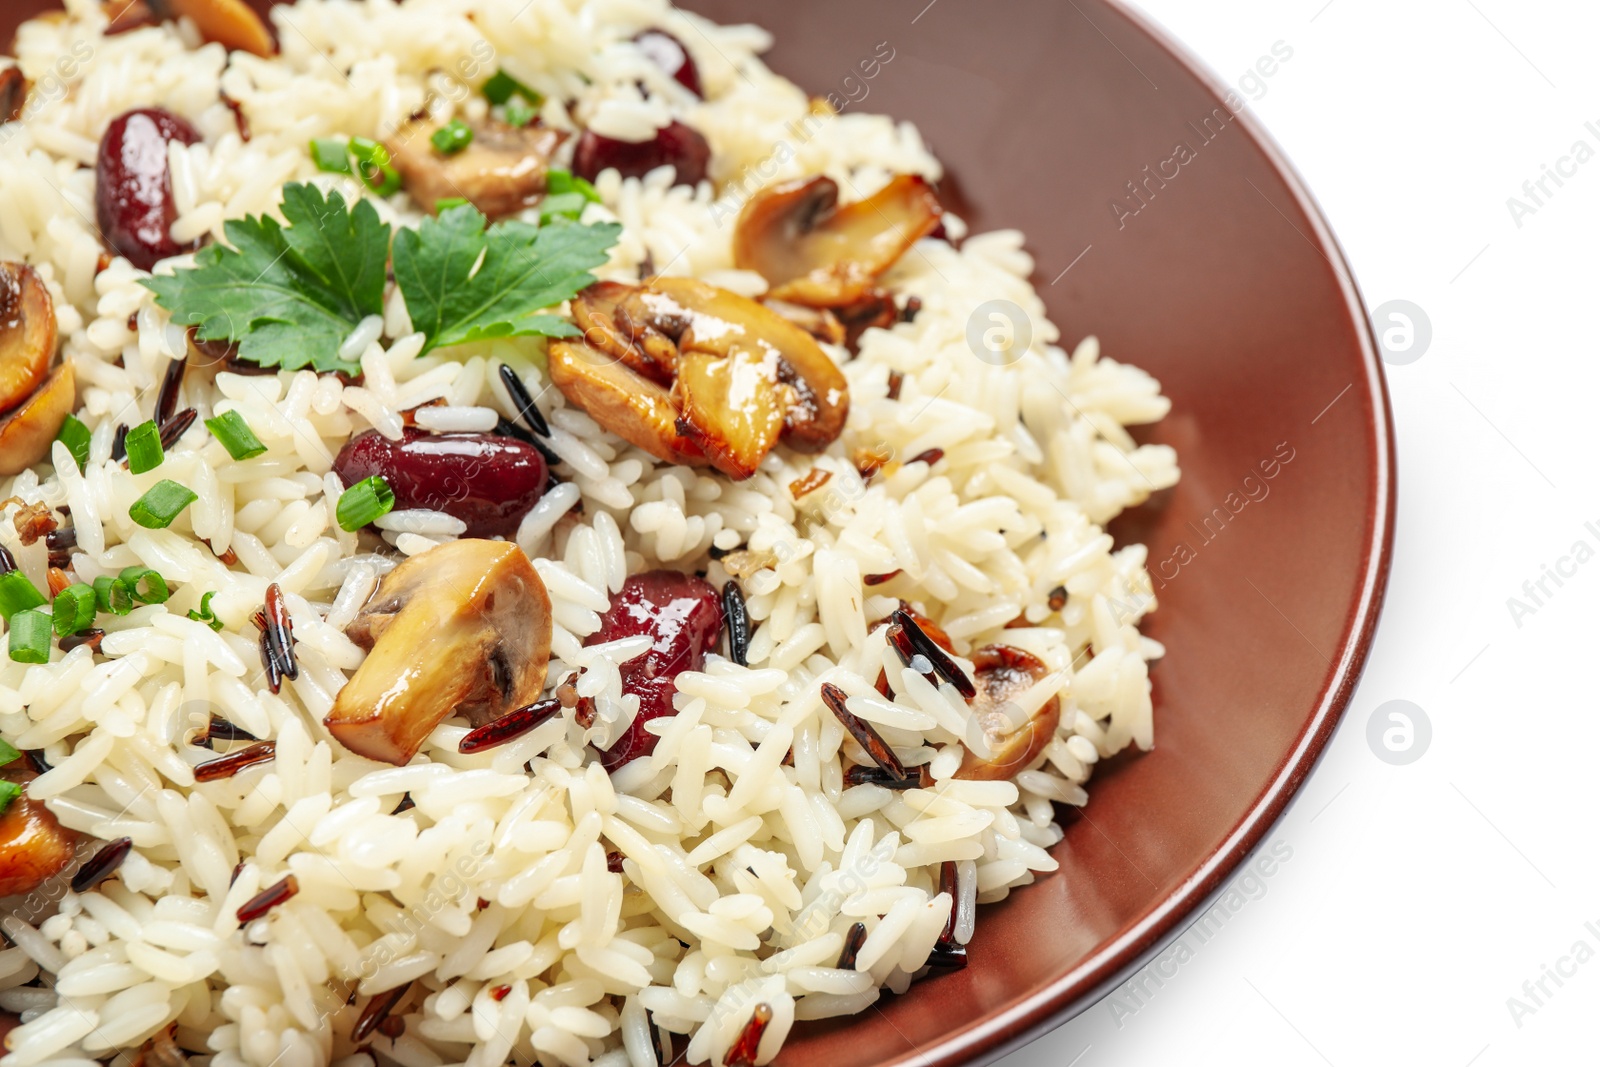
[(681, 146), (682, 614), (668, 53), (487, 481), (133, 187)]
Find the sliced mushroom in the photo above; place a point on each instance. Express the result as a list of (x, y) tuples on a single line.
[(501, 172), (27, 333), (813, 252), (633, 407), (461, 629), (741, 375), (820, 323), (1004, 673), (27, 433), (34, 847), (731, 407), (230, 23), (717, 322)]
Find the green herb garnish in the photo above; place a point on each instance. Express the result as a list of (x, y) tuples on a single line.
[(17, 593), (452, 138), (145, 585), (374, 166), (72, 611), (364, 502), (9, 791), (289, 295), (236, 435), (75, 435), (30, 637), (112, 595), (558, 182), (502, 87), (463, 283), (331, 155), (164, 502), (8, 752), (143, 445), (205, 614), (518, 112)]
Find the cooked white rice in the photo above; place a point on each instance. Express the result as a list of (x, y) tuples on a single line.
[(740, 874)]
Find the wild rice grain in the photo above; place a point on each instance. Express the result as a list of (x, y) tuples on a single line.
[(509, 726), (176, 427), (926, 646), (377, 1010), (280, 632), (523, 401), (879, 579), (737, 615), (854, 938), (742, 1053), (102, 865), (167, 398), (91, 637), (269, 898), (864, 732), (231, 764), (918, 779)]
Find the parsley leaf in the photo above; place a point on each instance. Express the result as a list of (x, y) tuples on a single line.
[(287, 295), (462, 283)]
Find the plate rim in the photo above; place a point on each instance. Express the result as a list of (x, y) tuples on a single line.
[(1091, 980)]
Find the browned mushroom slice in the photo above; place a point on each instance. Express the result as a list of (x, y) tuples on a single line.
[(732, 406), (230, 23), (27, 333), (26, 433), (1003, 674), (640, 346), (717, 321), (820, 323), (34, 847), (501, 172), (813, 252), (634, 408), (461, 629)]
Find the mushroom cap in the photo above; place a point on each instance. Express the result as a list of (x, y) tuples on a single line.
[(27, 433), (230, 23), (27, 333), (34, 847), (1002, 674), (463, 628), (635, 408), (813, 252), (501, 172)]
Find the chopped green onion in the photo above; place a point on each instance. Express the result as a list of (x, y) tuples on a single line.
[(557, 182), (441, 206), (372, 163), (112, 595), (205, 614), (30, 637), (75, 435), (236, 435), (8, 752), (155, 591), (519, 112), (143, 444), (363, 503), (18, 594), (450, 139), (331, 155), (503, 87), (9, 791), (72, 612), (562, 205), (164, 502)]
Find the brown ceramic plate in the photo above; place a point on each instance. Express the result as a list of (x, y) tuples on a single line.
[(1271, 554)]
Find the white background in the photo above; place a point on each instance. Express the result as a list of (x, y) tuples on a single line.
[(1420, 898)]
